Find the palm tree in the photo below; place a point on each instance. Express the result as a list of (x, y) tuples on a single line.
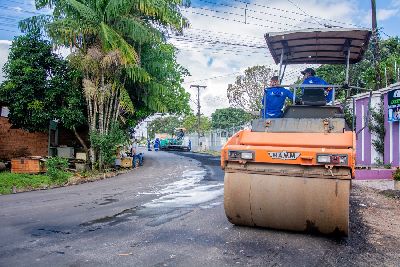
[(107, 37)]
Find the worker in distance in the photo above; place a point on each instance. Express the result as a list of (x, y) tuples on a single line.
[(274, 99)]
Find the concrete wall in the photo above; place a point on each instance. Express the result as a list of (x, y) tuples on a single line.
[(366, 154), (363, 142), (213, 140), (392, 145)]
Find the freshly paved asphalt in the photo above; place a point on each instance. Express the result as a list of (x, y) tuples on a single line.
[(167, 213)]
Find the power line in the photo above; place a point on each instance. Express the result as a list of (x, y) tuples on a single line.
[(305, 13), (212, 78), (221, 39), (218, 50), (267, 13), (22, 10), (225, 33), (293, 12), (16, 2), (234, 53), (214, 43), (234, 20), (211, 41), (231, 13), (8, 30)]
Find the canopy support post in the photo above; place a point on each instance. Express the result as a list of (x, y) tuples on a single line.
[(347, 65), (353, 121), (283, 74), (280, 63), (347, 46)]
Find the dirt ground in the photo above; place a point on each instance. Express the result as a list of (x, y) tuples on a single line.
[(379, 212)]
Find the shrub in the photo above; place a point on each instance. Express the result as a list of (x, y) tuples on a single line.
[(107, 144), (57, 169), (396, 175)]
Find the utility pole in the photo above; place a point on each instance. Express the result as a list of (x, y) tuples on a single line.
[(198, 110), (375, 42)]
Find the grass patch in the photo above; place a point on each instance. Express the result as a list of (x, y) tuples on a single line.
[(25, 182)]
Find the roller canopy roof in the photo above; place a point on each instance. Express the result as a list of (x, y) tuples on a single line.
[(318, 46)]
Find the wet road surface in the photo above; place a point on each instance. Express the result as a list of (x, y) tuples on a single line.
[(167, 213)]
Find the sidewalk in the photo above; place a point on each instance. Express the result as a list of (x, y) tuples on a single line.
[(376, 184)]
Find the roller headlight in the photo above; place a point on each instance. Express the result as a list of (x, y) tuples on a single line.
[(332, 159), (324, 159), (241, 155), (247, 155)]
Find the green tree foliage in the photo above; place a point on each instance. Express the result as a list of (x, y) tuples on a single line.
[(164, 125), (228, 117), (135, 30), (160, 62), (107, 144), (247, 91), (190, 123), (120, 48), (363, 73), (40, 86)]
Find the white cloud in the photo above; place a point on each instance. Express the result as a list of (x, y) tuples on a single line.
[(4, 50), (195, 54), (396, 3), (384, 14), (17, 8)]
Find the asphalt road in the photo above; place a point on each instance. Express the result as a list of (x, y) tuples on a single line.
[(167, 213)]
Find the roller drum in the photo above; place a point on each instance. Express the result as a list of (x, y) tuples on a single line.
[(317, 205)]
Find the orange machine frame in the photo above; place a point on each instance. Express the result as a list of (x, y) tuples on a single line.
[(307, 144)]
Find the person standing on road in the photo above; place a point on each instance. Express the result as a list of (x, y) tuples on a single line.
[(310, 78), (274, 99), (136, 156), (148, 145), (156, 144)]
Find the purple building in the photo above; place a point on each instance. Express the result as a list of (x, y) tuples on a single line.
[(366, 155)]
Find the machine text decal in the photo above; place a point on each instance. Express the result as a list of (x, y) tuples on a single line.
[(284, 155)]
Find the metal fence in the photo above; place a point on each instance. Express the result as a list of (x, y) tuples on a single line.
[(214, 139)]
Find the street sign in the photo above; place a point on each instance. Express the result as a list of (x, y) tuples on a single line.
[(394, 105)]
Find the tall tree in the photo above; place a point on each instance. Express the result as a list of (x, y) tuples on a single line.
[(247, 91), (228, 117), (190, 123), (164, 125), (40, 86), (109, 36)]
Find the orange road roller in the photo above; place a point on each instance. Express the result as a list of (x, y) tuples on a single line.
[(294, 173)]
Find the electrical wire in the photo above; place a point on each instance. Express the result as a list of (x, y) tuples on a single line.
[(297, 13), (241, 15), (215, 77), (211, 41), (305, 13), (266, 13), (248, 37), (233, 20)]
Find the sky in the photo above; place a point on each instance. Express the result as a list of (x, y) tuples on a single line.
[(226, 37)]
